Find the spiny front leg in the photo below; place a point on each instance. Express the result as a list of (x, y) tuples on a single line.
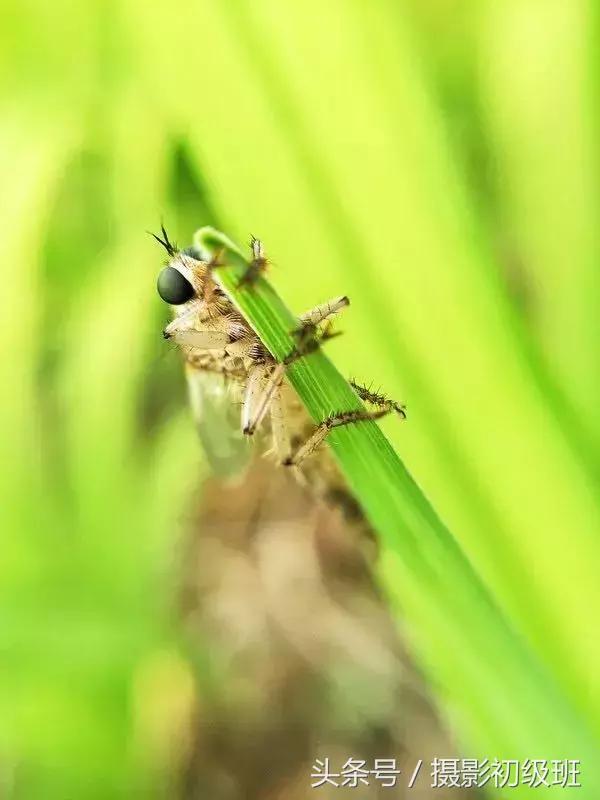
[(328, 424)]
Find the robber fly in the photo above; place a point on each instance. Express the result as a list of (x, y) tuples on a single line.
[(215, 339)]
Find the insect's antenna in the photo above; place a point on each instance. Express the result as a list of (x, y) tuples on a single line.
[(169, 246)]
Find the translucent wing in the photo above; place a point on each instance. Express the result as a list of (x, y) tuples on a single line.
[(217, 417)]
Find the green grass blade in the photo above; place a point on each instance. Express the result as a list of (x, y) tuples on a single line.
[(449, 609)]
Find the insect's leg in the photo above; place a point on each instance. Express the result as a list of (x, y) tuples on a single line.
[(252, 395), (322, 312), (332, 421), (308, 335), (257, 266), (378, 399), (281, 439), (310, 319), (271, 385)]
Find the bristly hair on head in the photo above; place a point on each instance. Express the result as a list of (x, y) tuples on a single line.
[(169, 246)]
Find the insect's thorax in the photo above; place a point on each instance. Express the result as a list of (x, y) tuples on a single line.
[(213, 336)]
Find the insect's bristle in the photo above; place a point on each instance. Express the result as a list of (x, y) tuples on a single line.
[(217, 308)]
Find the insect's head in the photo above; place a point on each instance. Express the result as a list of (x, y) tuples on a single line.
[(182, 278)]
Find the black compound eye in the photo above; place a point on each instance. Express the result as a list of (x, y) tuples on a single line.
[(173, 287)]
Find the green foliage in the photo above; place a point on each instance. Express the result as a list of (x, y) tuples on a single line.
[(435, 162)]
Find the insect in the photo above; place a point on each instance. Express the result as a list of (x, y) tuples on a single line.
[(214, 338)]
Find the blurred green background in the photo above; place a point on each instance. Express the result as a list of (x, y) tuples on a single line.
[(436, 160)]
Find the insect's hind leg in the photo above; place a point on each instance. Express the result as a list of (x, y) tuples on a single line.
[(332, 421)]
